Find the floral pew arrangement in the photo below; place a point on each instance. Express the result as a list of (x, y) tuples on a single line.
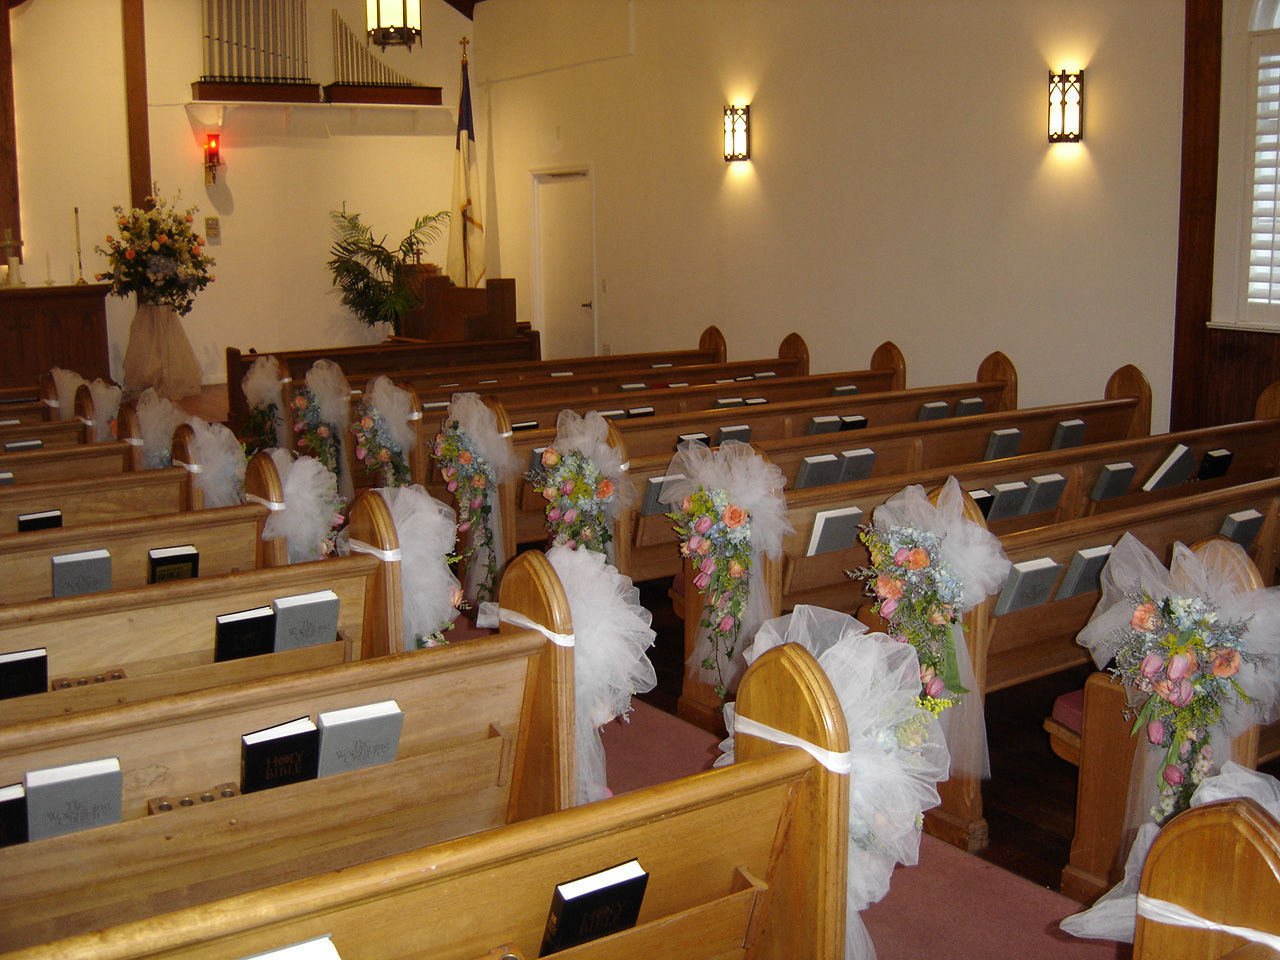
[(263, 390), (897, 752), (583, 479), (382, 433), (214, 458), (1199, 653), (322, 410), (158, 418), (729, 515), (475, 457), (105, 396), (929, 565), (310, 515)]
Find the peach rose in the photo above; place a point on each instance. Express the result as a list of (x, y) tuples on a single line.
[(604, 489), (1226, 662), (464, 457), (917, 559), (1144, 618), (736, 570), (887, 588), (733, 516), (549, 457)]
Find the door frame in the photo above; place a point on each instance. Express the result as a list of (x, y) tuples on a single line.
[(537, 178)]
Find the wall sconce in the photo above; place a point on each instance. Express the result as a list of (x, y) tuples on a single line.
[(1066, 107), (212, 156), (394, 23), (737, 133)]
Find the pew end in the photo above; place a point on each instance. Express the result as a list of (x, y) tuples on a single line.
[(793, 346), (997, 366), (889, 356), (85, 413), (1268, 404), (1220, 861), (713, 339), (1129, 381), (129, 431), (371, 523)]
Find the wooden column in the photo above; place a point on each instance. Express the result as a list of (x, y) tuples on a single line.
[(1202, 71), (10, 216), (135, 96)]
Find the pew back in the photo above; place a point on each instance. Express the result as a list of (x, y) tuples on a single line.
[(148, 493)]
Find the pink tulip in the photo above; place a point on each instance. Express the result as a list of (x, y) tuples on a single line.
[(571, 515), (1152, 664), (1155, 732), (477, 503), (695, 541), (1181, 665), (1173, 775), (464, 526), (726, 623), (1182, 693), (553, 514), (708, 565), (900, 555), (887, 608), (935, 687), (452, 486), (703, 524), (701, 581), (567, 487)]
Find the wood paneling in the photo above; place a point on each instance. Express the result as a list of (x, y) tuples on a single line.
[(43, 327)]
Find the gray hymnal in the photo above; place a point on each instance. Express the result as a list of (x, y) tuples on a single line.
[(1029, 585), (1242, 527), (818, 470), (934, 410), (1044, 492), (1113, 480), (726, 402), (653, 488), (613, 414), (640, 412), (682, 383), (1007, 499), (834, 530), (764, 373), (825, 424), (745, 376), (561, 373), (634, 386), (9, 423), (432, 405), (1068, 433), (88, 571), (659, 366), (306, 619), (738, 431), (970, 406), (1083, 572), (320, 948), (73, 797), (853, 421), (535, 459), (359, 736), (1002, 443), (856, 464), (755, 401), (844, 389), (15, 446), (1178, 467), (701, 438)]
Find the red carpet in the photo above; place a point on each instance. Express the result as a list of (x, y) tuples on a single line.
[(951, 906)]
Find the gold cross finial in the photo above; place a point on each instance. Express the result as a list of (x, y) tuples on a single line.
[(464, 41)]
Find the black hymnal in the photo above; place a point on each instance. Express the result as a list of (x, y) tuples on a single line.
[(844, 389), (640, 412), (173, 563), (13, 815), (726, 402), (15, 446), (701, 438), (524, 425), (982, 499), (1214, 464), (245, 633), (41, 520), (853, 421), (6, 478), (279, 755), (594, 906), (23, 672)]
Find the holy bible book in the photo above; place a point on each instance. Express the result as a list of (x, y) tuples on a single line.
[(279, 755), (13, 815), (24, 672), (173, 563), (244, 633), (594, 906)]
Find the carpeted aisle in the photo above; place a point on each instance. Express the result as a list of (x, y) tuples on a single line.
[(951, 906)]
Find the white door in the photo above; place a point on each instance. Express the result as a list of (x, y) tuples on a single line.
[(564, 264)]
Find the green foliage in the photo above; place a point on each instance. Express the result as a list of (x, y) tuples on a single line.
[(368, 272)]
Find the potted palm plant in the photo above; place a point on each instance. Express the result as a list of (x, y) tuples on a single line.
[(373, 278)]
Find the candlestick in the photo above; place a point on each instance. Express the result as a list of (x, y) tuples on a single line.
[(79, 263)]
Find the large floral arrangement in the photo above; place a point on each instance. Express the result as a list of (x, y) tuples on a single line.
[(157, 255), (918, 597), (715, 535), (470, 479), (316, 438), (376, 449), (1178, 652), (259, 429), (578, 499)]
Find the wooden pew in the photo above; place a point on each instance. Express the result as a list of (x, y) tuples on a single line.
[(123, 496), (502, 357), (744, 861), (1220, 861), (1104, 752), (49, 435), (486, 741), (1040, 639), (899, 450), (80, 460)]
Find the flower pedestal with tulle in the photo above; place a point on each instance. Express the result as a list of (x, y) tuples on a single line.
[(159, 354)]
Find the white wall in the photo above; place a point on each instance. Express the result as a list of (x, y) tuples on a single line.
[(900, 184), (286, 168)]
